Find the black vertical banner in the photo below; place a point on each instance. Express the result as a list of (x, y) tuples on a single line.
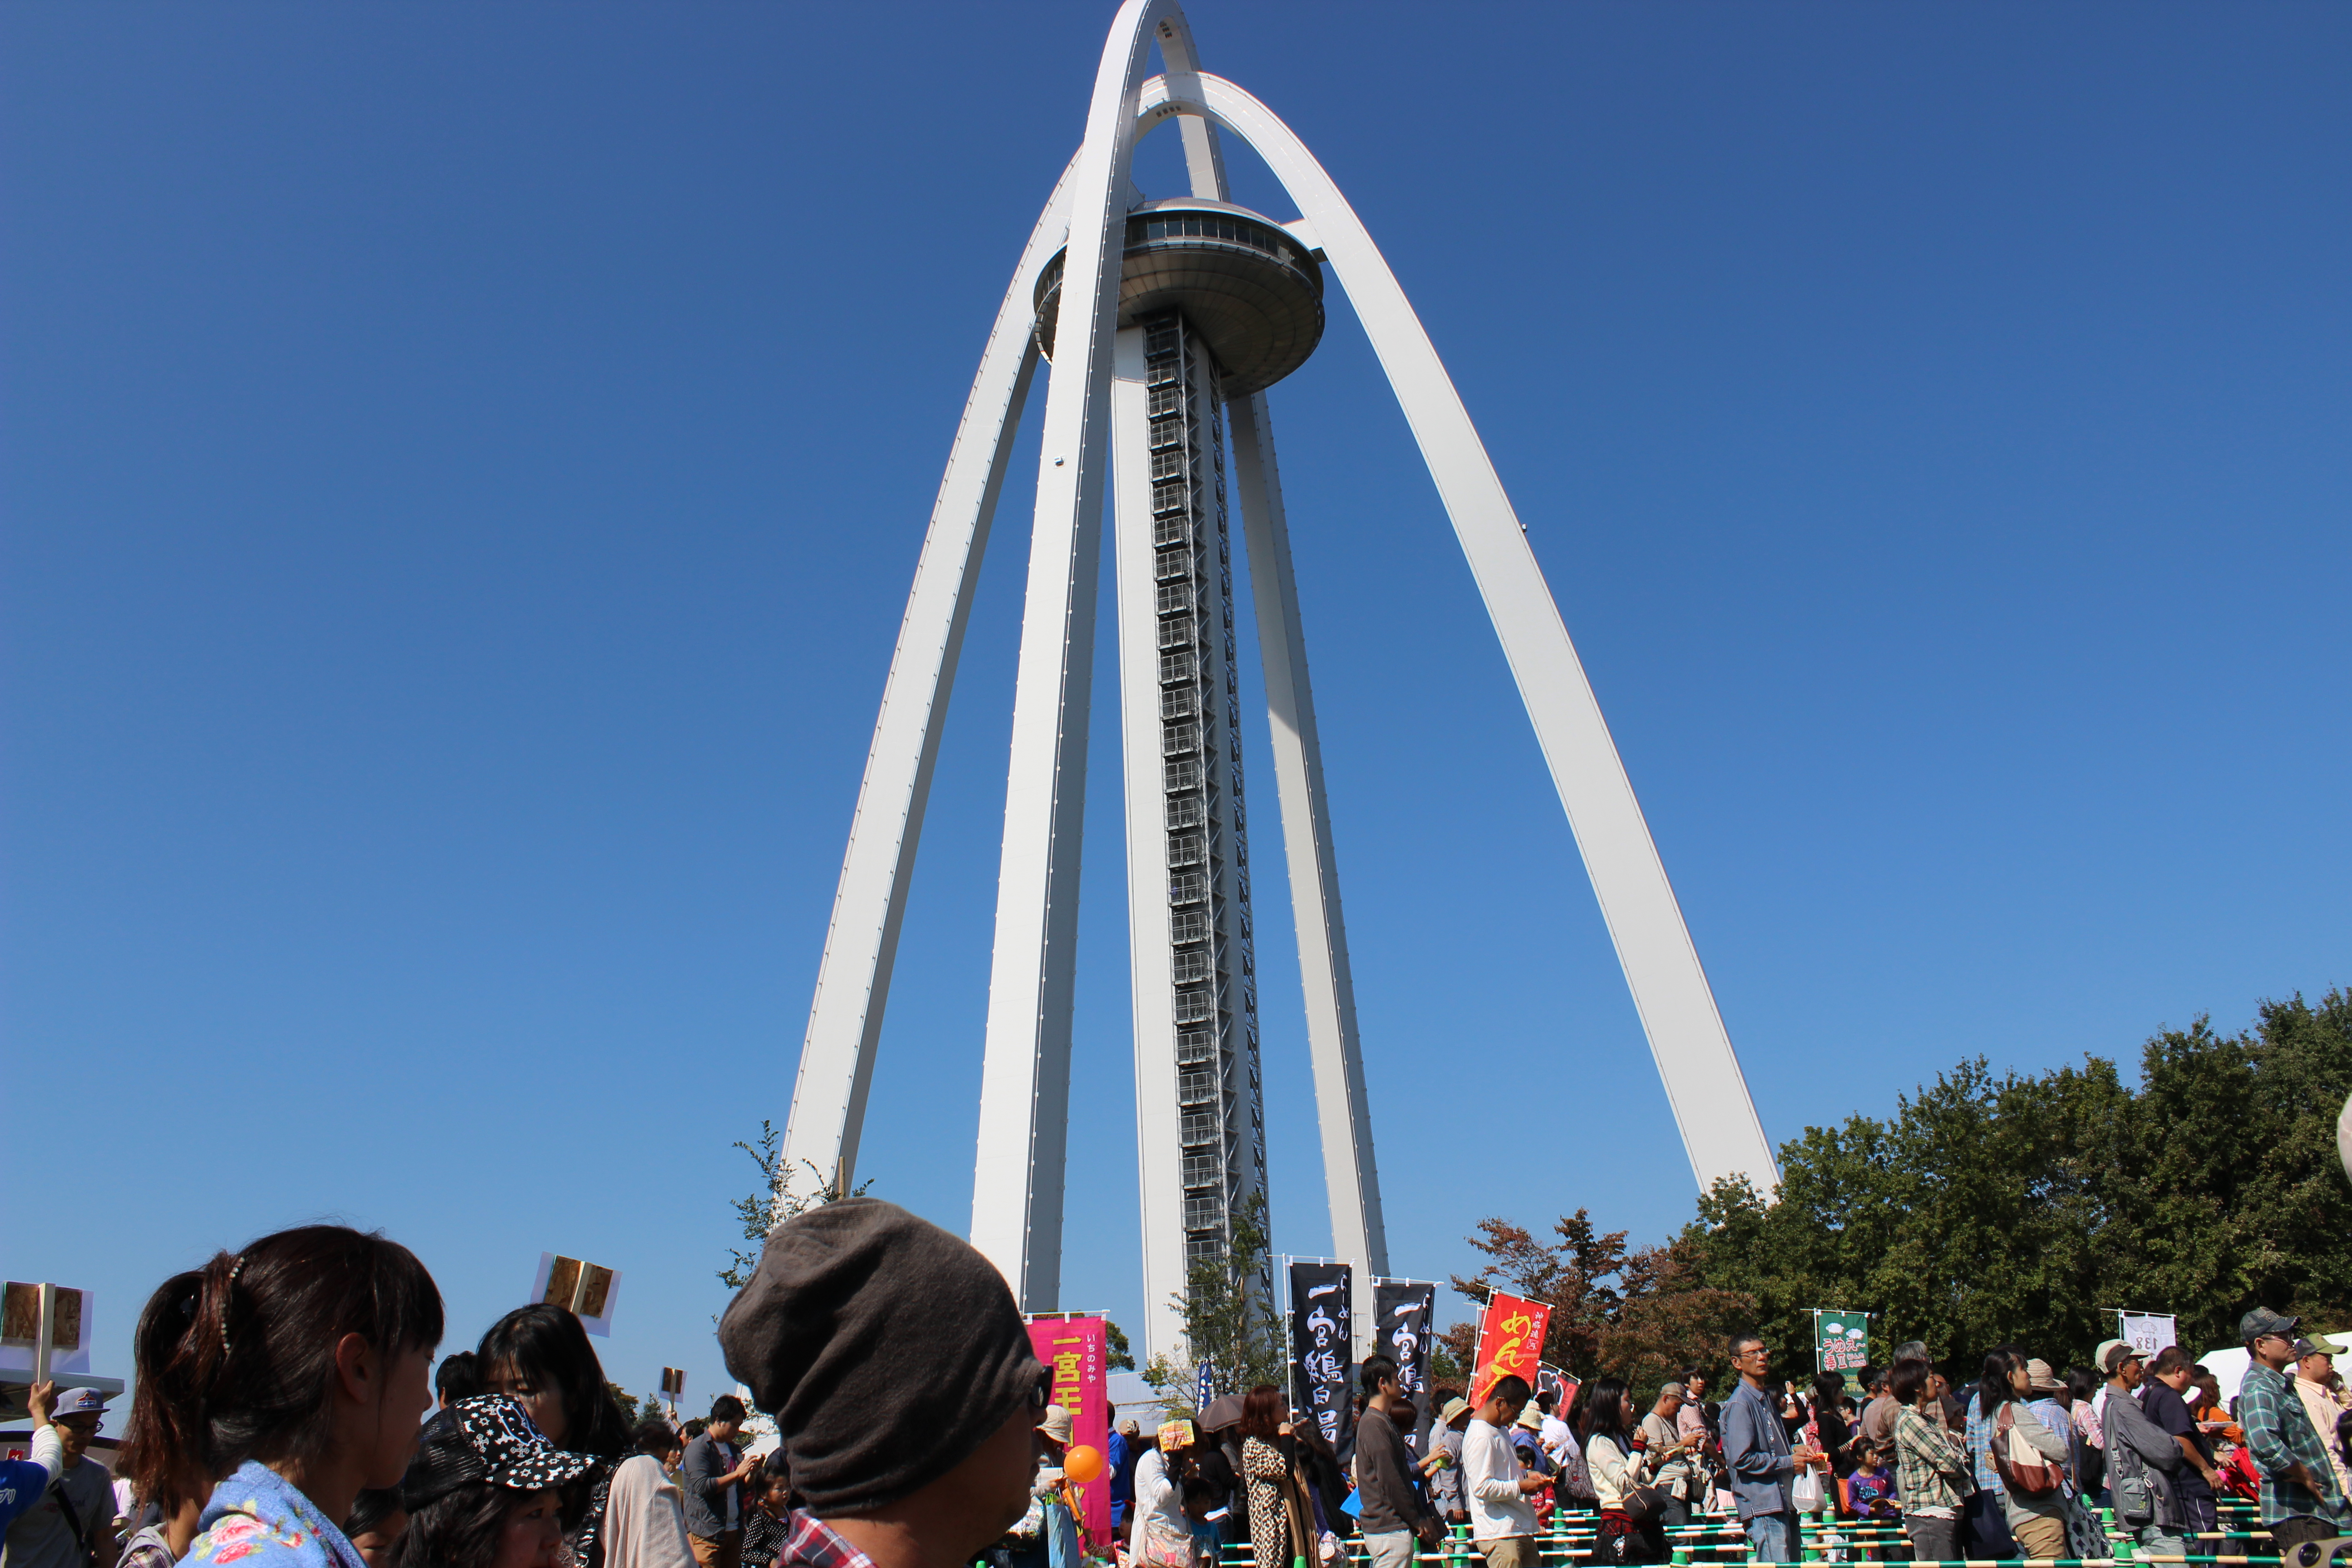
[(1402, 1313), (1321, 1349)]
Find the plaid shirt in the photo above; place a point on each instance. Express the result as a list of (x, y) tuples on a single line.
[(1928, 1462), (810, 1544), (2281, 1434)]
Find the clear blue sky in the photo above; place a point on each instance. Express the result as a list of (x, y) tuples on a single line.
[(464, 465)]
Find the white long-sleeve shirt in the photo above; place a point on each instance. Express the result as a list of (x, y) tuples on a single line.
[(1157, 1500), (1490, 1475)]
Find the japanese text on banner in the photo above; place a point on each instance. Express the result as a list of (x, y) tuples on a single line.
[(1075, 1350), (1510, 1342)]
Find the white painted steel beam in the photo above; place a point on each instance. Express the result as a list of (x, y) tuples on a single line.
[(1016, 1202), (870, 903), (1701, 1072), (1350, 1177)]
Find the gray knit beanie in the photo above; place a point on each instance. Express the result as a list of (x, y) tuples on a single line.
[(887, 1350)]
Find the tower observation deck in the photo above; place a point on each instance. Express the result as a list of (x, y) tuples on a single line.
[(1215, 303)]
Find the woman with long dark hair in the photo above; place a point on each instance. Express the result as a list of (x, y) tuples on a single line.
[(172, 1486), (1278, 1514), (1826, 1427), (539, 1357), (2036, 1519), (1617, 1466), (1984, 1530), (295, 1370)]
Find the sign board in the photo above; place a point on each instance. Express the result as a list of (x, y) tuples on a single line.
[(587, 1290), (1559, 1386), (2148, 1332), (1510, 1342), (1322, 1346), (1075, 1351), (1842, 1345), (1402, 1310), (20, 1329), (672, 1384)]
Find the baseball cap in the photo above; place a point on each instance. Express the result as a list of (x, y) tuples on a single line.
[(2113, 1354), (2263, 1321), (2307, 1347), (78, 1402)]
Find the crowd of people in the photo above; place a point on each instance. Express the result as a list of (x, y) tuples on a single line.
[(2008, 1466), (288, 1410), (2011, 1466)]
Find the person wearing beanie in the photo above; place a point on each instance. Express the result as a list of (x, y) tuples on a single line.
[(899, 1372)]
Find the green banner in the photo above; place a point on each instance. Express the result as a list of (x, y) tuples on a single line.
[(1842, 1344)]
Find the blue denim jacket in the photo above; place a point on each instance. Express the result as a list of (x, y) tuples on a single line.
[(1756, 1450), (257, 1517)]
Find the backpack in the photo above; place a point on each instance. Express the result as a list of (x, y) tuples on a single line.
[(2019, 1463), (1573, 1485)]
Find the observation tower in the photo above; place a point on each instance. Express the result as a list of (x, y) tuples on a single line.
[(1162, 324)]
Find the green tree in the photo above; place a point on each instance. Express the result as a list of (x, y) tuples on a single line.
[(773, 1201), (1992, 1209), (1228, 1322), (2012, 1209), (1121, 1357)]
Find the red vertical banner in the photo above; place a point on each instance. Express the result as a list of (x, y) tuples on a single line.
[(1076, 1350), (1510, 1343)]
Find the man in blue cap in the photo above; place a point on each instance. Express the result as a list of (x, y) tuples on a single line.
[(71, 1521)]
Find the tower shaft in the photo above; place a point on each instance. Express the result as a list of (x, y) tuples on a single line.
[(1200, 1144)]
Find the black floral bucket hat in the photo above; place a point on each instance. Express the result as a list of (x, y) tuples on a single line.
[(485, 1439)]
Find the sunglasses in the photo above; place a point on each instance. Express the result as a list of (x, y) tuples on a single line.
[(1043, 1394)]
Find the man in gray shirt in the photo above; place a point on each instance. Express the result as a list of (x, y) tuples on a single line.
[(1393, 1509), (73, 1523), (710, 1477)]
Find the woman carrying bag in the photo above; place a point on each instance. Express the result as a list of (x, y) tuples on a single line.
[(2030, 1461), (1630, 1504)]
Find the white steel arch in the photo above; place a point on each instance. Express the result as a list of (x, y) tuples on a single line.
[(869, 904), (1720, 1131)]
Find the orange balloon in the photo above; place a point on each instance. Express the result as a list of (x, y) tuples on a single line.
[(1083, 1464)]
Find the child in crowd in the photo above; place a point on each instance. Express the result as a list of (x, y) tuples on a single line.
[(771, 1519), (1869, 1491)]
